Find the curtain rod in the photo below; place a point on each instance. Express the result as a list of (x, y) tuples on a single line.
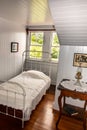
[(40, 29)]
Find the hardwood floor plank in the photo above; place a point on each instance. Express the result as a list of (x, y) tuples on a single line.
[(43, 114)]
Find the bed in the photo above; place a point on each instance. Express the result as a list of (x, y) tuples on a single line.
[(20, 95)]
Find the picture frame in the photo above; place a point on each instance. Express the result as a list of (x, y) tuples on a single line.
[(80, 59), (14, 46)]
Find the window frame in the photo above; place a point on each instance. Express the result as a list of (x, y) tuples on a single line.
[(50, 37)]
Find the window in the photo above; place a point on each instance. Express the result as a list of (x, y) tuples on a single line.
[(40, 41), (36, 44), (55, 47)]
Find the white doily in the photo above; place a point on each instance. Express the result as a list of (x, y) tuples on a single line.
[(71, 85)]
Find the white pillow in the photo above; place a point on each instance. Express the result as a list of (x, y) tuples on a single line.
[(35, 74)]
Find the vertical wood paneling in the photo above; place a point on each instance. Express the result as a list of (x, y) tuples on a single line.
[(10, 63)]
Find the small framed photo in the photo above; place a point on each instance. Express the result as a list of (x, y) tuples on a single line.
[(14, 46), (80, 59)]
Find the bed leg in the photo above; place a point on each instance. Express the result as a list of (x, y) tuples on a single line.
[(22, 123)]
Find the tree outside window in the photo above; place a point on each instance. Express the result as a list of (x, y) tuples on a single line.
[(36, 45), (55, 47)]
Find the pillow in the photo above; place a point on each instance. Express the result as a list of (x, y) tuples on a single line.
[(35, 74)]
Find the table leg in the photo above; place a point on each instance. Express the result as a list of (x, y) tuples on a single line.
[(60, 110)]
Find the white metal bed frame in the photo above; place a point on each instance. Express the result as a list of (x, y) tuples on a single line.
[(46, 61), (34, 62), (15, 96)]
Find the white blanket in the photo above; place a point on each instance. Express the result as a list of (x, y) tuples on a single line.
[(34, 83)]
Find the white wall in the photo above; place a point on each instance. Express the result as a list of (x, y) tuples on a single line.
[(10, 63), (67, 70)]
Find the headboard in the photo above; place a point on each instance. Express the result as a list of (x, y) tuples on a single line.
[(43, 63)]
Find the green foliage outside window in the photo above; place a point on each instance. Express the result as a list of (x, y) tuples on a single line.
[(55, 40), (55, 53), (37, 45), (55, 47), (36, 52), (36, 38)]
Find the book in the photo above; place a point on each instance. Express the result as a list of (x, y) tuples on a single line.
[(71, 111)]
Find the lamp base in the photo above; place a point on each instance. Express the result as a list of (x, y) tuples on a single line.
[(77, 83)]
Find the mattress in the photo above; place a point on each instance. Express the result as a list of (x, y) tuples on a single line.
[(31, 83)]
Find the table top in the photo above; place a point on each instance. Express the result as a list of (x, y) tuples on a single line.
[(71, 93), (70, 85)]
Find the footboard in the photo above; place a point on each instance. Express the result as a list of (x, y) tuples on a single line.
[(6, 93)]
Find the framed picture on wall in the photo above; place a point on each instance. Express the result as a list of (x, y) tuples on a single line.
[(80, 59), (14, 46)]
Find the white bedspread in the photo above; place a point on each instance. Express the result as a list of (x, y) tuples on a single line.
[(34, 83)]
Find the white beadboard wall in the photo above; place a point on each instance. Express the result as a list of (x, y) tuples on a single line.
[(10, 63), (67, 70)]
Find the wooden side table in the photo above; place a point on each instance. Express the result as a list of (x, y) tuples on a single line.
[(80, 112)]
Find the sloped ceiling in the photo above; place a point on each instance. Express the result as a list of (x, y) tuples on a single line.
[(26, 12), (70, 18), (39, 13), (13, 14)]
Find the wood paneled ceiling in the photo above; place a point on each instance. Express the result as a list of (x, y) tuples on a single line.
[(26, 12), (70, 18)]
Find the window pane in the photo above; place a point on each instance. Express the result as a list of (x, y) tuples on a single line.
[(55, 40), (55, 53), (37, 38), (36, 44), (36, 52), (55, 47)]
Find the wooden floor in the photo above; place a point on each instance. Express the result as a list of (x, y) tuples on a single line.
[(43, 118)]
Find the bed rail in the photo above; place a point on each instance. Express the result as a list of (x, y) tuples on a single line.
[(15, 93), (42, 63)]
